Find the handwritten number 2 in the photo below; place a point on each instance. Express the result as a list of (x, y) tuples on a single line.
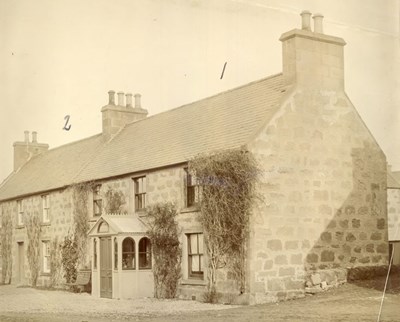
[(67, 128)]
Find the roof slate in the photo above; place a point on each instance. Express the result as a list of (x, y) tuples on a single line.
[(226, 120)]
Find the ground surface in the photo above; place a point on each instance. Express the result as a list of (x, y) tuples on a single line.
[(350, 302)]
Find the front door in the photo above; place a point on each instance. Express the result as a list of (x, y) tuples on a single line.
[(21, 263), (105, 267)]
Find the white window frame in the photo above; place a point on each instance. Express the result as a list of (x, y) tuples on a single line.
[(20, 216), (46, 208), (46, 256), (199, 253), (97, 201), (140, 192)]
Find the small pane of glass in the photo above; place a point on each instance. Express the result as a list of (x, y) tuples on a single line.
[(144, 253), (128, 253)]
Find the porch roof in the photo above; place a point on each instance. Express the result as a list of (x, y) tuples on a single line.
[(118, 224)]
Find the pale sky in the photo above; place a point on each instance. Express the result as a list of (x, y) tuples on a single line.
[(60, 57)]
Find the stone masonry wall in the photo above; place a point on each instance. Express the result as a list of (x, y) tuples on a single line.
[(324, 194), (60, 224)]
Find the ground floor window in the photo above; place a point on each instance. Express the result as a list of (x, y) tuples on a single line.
[(195, 255), (46, 256), (128, 253), (144, 253)]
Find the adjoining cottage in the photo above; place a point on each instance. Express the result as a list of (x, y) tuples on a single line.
[(324, 182), (393, 206)]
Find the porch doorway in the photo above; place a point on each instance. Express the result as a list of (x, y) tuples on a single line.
[(21, 263), (105, 267)]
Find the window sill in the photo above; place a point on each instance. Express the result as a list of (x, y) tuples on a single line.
[(190, 209), (45, 224), (20, 226), (193, 282), (45, 274)]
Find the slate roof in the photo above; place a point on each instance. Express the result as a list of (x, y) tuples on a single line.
[(53, 169), (226, 120)]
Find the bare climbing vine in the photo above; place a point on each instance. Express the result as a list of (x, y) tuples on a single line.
[(227, 182), (80, 197), (6, 246), (55, 262), (114, 201), (33, 228), (167, 252)]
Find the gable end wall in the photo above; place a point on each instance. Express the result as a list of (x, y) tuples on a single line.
[(324, 189)]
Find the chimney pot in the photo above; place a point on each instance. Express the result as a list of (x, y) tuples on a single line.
[(111, 98), (26, 136), (34, 137), (128, 100), (120, 99), (305, 20), (137, 101), (318, 28)]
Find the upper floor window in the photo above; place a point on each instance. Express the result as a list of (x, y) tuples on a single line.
[(195, 255), (128, 253), (144, 253), (46, 256), (97, 202), (140, 193), (46, 208), (20, 217), (192, 189)]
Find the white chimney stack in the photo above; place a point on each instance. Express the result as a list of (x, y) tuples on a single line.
[(34, 137), (137, 101), (121, 99), (305, 20), (128, 100), (111, 98), (26, 136), (318, 23)]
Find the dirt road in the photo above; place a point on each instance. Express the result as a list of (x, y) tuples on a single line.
[(349, 302)]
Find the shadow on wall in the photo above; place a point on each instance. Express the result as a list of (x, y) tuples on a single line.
[(357, 233)]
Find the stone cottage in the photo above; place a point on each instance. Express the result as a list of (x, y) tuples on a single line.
[(323, 182), (393, 206)]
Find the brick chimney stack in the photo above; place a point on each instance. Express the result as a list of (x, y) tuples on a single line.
[(115, 117), (312, 59), (24, 151)]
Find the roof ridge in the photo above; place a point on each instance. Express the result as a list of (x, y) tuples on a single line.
[(202, 100)]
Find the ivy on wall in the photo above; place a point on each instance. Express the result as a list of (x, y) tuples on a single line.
[(114, 201), (227, 182), (33, 228), (167, 253), (69, 257), (55, 262), (6, 246), (80, 198)]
